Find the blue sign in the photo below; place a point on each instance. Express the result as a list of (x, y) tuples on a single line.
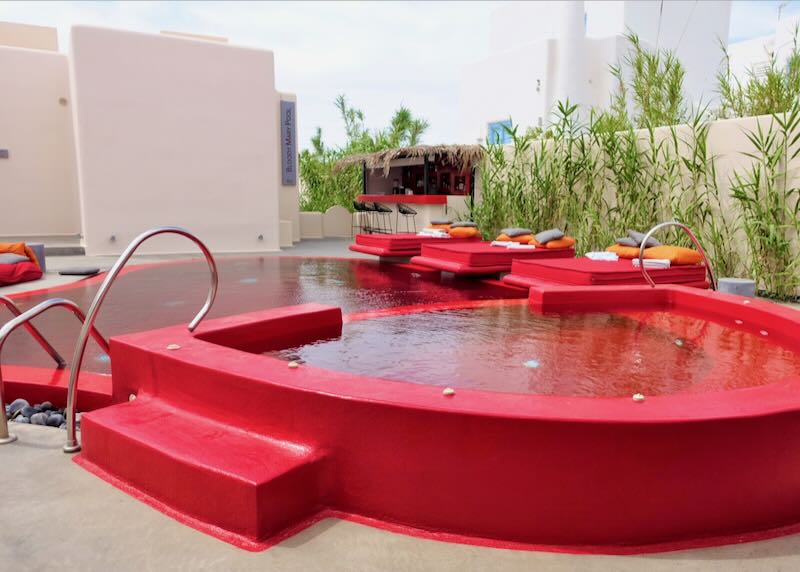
[(288, 143)]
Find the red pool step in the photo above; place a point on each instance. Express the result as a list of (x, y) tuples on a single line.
[(38, 384), (481, 258), (248, 485), (585, 272)]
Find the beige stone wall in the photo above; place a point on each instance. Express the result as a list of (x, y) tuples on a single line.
[(29, 37), (175, 132), (38, 180)]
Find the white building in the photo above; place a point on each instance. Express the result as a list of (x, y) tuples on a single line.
[(753, 55), (130, 131), (542, 52)]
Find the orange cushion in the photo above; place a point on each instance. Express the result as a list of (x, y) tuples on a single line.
[(522, 239), (564, 242), (677, 255), (439, 226), (464, 232), (626, 251), (19, 248)]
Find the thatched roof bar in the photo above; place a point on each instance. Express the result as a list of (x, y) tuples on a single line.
[(461, 156)]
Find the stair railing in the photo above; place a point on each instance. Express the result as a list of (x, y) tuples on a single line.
[(23, 319), (711, 277), (35, 333), (72, 445)]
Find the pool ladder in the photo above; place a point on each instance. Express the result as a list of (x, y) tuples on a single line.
[(87, 329), (23, 319), (711, 276)]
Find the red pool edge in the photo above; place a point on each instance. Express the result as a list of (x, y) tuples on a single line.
[(772, 408), (254, 546)]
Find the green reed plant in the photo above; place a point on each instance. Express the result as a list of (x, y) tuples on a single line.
[(656, 85), (621, 169), (771, 88), (323, 185), (769, 203)]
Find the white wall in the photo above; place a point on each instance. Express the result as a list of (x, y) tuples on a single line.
[(750, 55), (175, 132), (515, 25), (516, 83), (753, 55), (38, 182), (27, 36), (693, 30), (527, 42)]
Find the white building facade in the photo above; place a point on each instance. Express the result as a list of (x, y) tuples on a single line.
[(543, 52), (131, 131), (752, 56)]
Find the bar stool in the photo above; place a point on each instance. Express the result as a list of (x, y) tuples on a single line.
[(359, 215), (369, 210), (383, 218), (407, 213)]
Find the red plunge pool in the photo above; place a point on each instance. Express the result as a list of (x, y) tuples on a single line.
[(540, 446), (507, 347)]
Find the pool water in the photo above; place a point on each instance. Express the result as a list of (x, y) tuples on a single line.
[(167, 294), (509, 348)]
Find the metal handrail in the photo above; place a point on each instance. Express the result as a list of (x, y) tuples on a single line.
[(709, 269), (34, 331), (24, 319), (72, 444)]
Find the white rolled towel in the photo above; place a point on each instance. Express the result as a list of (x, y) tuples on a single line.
[(433, 233), (603, 256), (653, 263), (503, 243)]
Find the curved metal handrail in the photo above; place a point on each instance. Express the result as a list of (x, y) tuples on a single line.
[(72, 444), (22, 320), (34, 331), (709, 269)]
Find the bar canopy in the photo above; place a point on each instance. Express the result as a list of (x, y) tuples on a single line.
[(462, 157)]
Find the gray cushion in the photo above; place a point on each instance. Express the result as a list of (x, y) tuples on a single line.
[(627, 241), (464, 223), (639, 237), (441, 221), (547, 235), (79, 271), (512, 232), (11, 258)]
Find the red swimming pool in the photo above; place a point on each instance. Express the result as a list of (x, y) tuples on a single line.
[(508, 347), (239, 445)]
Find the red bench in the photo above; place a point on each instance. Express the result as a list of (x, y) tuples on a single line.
[(585, 272), (402, 245), (481, 258)]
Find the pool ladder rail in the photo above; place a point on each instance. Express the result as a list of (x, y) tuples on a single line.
[(711, 276), (87, 329), (22, 319)]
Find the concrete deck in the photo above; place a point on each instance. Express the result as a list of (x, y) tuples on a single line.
[(55, 512)]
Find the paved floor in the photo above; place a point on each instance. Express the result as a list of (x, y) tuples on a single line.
[(57, 514), (54, 511)]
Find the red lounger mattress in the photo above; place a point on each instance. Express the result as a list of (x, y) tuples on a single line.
[(19, 272), (583, 271), (403, 244), (481, 257)]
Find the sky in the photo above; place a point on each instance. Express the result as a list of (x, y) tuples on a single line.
[(379, 54)]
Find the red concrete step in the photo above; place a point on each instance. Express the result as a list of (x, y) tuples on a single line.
[(246, 484)]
